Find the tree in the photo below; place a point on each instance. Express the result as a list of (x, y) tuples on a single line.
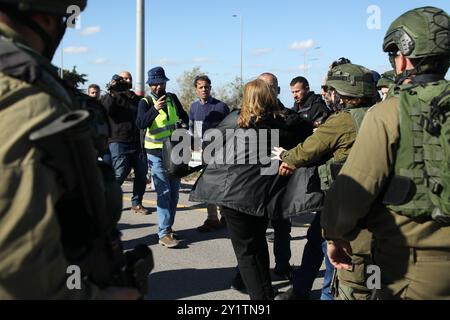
[(74, 78), (186, 92), (231, 93)]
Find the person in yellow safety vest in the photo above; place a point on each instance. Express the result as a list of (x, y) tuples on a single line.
[(159, 114)]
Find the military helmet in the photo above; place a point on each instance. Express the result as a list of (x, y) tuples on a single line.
[(352, 80), (419, 33), (53, 7), (387, 79)]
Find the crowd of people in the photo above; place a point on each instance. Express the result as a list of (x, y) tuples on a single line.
[(369, 156)]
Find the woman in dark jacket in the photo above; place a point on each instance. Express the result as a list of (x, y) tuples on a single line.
[(246, 191)]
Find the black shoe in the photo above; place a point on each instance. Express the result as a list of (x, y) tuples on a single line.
[(270, 236), (291, 295), (283, 273), (238, 284)]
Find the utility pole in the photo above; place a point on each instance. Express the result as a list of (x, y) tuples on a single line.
[(140, 47), (241, 21)]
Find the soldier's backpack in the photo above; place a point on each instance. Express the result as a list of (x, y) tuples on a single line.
[(423, 154)]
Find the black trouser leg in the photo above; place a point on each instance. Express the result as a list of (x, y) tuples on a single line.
[(282, 243), (248, 236)]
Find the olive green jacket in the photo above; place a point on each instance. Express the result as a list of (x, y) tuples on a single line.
[(353, 202), (332, 139), (32, 264)]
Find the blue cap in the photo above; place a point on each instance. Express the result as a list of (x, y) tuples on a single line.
[(157, 76)]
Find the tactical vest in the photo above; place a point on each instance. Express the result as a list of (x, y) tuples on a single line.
[(329, 170), (162, 127), (423, 153)]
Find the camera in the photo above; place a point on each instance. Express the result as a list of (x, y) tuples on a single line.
[(118, 84)]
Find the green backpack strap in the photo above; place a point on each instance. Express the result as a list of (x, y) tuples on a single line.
[(357, 116), (432, 122), (438, 125)]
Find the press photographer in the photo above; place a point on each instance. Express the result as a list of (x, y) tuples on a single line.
[(124, 144)]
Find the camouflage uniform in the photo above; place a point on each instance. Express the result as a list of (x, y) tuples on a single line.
[(413, 254), (32, 263), (335, 138)]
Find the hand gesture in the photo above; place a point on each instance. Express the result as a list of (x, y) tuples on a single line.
[(286, 170), (339, 252), (160, 103), (277, 151)]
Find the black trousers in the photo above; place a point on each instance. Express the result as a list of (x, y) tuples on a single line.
[(282, 243), (248, 237)]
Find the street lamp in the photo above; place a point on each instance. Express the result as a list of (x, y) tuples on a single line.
[(305, 59), (242, 40)]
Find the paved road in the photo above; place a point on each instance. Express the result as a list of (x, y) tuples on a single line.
[(203, 267)]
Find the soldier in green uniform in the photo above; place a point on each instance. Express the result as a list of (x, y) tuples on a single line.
[(33, 189), (395, 180), (386, 81), (353, 87)]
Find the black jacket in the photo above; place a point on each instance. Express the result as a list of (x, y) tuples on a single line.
[(122, 112), (313, 108), (244, 188)]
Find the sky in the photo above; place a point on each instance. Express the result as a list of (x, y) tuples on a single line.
[(286, 37)]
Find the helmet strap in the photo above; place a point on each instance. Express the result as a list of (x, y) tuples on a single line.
[(406, 74)]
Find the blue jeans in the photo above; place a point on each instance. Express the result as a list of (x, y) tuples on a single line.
[(124, 157), (107, 157), (314, 252), (167, 192), (328, 277)]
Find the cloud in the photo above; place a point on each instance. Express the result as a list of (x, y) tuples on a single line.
[(89, 31), (200, 45), (76, 50), (101, 61), (302, 45), (201, 59), (261, 51), (304, 67), (165, 62)]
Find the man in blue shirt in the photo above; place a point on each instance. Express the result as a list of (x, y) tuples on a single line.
[(206, 113)]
